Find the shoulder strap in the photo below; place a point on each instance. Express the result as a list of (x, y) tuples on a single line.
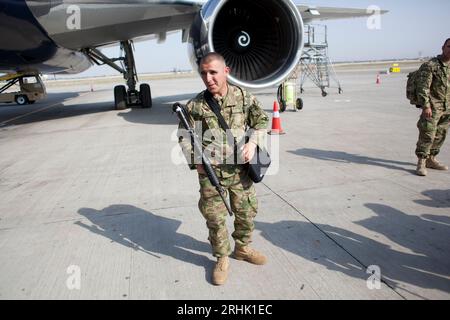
[(243, 96), (214, 106)]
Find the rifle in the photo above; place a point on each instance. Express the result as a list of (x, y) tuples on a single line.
[(181, 113)]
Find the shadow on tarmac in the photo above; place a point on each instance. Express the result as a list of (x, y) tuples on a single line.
[(160, 113), (438, 199), (170, 100), (51, 98), (339, 156), (55, 100), (144, 231), (424, 260)]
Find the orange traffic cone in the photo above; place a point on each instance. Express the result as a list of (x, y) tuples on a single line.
[(378, 79), (276, 122)]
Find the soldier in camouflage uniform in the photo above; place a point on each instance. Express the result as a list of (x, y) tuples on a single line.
[(433, 93), (241, 112)]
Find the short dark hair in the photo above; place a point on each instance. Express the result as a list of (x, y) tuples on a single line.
[(445, 43), (212, 56)]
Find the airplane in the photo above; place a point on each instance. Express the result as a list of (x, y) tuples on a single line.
[(261, 41)]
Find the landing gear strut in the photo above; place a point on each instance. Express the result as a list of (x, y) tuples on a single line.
[(125, 97)]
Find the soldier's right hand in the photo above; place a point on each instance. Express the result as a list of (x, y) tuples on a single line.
[(200, 169)]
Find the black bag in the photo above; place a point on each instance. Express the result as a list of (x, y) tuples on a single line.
[(256, 167)]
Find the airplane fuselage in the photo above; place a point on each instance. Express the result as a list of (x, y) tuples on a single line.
[(26, 46), (53, 33)]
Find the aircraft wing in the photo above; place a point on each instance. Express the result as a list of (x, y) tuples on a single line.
[(260, 40), (82, 24), (120, 20), (311, 13)]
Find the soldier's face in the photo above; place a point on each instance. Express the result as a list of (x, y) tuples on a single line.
[(214, 75), (446, 50)]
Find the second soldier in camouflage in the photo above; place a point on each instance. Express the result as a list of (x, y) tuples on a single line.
[(433, 93)]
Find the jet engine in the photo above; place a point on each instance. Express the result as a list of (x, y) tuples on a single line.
[(261, 41)]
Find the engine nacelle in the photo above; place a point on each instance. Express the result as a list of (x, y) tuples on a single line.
[(261, 40)]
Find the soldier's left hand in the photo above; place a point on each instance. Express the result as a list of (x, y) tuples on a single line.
[(427, 113), (248, 151)]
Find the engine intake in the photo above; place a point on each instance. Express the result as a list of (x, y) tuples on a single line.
[(261, 41)]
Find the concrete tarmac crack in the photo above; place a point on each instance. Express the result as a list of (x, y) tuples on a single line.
[(329, 237)]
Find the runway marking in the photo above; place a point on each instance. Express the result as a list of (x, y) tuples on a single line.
[(2, 124)]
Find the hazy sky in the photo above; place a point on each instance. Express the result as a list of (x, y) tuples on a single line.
[(409, 28)]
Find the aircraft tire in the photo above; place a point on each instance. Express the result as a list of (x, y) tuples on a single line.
[(120, 97), (145, 95)]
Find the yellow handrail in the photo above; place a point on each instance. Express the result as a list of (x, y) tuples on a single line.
[(10, 76)]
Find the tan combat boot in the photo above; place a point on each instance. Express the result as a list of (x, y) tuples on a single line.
[(220, 272), (250, 255), (421, 169), (432, 163)]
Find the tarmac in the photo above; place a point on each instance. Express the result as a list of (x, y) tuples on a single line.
[(95, 205)]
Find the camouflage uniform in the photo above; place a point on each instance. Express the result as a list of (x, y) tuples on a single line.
[(241, 111), (433, 90)]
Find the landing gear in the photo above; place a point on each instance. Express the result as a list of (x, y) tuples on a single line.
[(145, 95), (125, 96), (120, 97)]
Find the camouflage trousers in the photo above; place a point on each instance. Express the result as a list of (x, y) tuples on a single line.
[(432, 133), (242, 196)]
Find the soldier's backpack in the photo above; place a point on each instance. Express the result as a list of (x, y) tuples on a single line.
[(411, 88), (411, 84)]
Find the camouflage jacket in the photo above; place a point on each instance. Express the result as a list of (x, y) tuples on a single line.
[(433, 84), (244, 116)]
